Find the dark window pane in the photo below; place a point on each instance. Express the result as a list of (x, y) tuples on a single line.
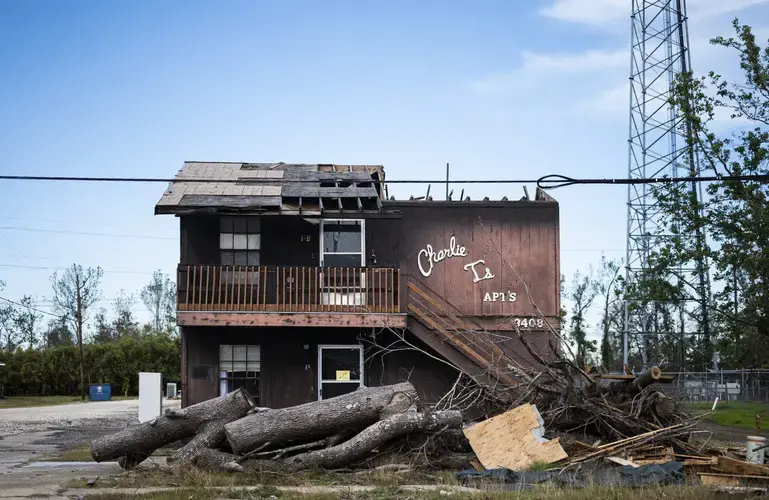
[(341, 260), (253, 258), (227, 258), (333, 360), (254, 225), (341, 238), (332, 390), (240, 259), (241, 224), (225, 224)]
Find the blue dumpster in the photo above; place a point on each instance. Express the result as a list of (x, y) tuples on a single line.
[(100, 392)]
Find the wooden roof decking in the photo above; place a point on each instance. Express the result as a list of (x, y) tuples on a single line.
[(290, 189)]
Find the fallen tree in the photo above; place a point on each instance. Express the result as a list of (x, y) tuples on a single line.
[(133, 445), (318, 419), (230, 433)]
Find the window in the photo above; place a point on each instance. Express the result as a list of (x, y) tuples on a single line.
[(240, 240), (342, 244), (239, 366), (340, 369)]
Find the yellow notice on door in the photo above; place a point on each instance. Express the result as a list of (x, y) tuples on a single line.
[(343, 374)]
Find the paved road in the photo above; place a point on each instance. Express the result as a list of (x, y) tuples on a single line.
[(28, 434)]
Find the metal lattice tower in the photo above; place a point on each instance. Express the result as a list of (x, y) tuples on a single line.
[(658, 147)]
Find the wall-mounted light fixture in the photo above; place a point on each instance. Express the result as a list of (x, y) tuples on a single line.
[(373, 257)]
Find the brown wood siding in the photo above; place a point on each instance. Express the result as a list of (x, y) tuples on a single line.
[(524, 236), (283, 245), (289, 372), (199, 240)]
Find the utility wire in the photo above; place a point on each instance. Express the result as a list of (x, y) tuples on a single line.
[(552, 181), (107, 271), (85, 233), (32, 308)]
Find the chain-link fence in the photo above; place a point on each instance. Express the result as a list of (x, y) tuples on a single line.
[(727, 385)]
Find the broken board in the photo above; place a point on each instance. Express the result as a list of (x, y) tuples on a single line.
[(514, 440)]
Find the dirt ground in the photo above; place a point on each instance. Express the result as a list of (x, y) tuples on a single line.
[(28, 435)]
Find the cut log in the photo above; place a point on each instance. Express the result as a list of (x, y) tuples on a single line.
[(372, 437), (646, 378), (319, 419), (133, 445)]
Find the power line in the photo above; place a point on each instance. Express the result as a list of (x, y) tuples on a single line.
[(32, 308), (85, 233), (113, 271), (552, 181)]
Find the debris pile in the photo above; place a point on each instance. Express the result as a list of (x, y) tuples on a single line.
[(601, 421)]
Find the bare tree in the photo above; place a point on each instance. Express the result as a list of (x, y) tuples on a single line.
[(74, 292), (159, 297)]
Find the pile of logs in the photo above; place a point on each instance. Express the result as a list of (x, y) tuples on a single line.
[(232, 433)]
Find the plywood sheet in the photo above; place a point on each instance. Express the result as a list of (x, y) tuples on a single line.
[(514, 440)]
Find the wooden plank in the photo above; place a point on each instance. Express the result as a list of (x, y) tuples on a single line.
[(480, 360), (194, 276), (733, 466), (187, 290), (330, 320), (513, 440)]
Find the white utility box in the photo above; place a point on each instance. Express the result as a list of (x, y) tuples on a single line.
[(150, 395)]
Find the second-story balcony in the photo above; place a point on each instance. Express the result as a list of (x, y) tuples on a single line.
[(264, 290)]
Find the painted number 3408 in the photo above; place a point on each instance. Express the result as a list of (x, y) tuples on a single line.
[(529, 322)]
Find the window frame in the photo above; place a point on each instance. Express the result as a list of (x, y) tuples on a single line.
[(358, 222), (223, 379), (253, 228), (322, 381)]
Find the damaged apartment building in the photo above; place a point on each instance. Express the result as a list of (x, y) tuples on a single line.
[(304, 282)]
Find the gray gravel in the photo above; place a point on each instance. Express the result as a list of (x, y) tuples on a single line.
[(97, 415)]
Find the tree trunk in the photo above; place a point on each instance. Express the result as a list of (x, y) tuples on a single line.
[(373, 436), (645, 379), (135, 444), (319, 419), (209, 435)]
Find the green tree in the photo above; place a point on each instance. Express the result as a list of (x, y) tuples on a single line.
[(733, 213), (28, 322), (159, 297), (581, 293), (609, 284), (124, 323), (58, 333)]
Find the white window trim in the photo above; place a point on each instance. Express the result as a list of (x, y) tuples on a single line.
[(362, 222), (320, 366)]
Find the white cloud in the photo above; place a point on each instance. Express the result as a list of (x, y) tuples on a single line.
[(608, 12), (595, 12), (539, 68)]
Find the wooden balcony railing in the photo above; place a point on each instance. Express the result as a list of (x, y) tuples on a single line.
[(288, 289)]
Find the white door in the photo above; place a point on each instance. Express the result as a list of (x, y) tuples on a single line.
[(340, 369)]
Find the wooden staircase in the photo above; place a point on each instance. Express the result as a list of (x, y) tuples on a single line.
[(463, 342)]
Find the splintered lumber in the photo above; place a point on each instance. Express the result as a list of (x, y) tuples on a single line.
[(514, 440), (318, 419), (134, 444)]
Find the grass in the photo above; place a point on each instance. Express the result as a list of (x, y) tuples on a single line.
[(30, 401), (73, 455), (198, 478), (740, 414), (395, 493)]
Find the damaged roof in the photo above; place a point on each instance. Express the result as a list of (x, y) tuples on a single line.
[(307, 189)]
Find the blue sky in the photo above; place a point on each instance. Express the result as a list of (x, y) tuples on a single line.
[(500, 89)]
